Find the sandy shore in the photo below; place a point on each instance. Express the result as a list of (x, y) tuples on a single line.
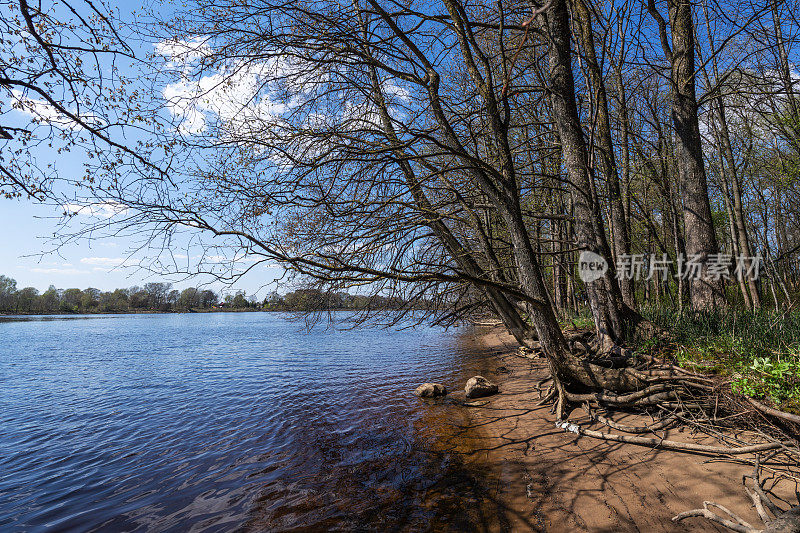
[(548, 480)]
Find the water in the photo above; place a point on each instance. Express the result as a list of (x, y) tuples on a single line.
[(229, 421)]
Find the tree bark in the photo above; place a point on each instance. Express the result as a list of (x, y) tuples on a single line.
[(701, 241), (608, 164)]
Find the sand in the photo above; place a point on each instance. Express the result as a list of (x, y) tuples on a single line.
[(548, 480)]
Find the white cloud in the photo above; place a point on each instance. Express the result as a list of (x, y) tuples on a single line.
[(236, 95), (103, 261), (182, 52), (240, 94), (67, 271), (97, 210), (42, 112), (265, 101)]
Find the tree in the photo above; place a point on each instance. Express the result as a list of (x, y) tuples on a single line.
[(49, 300), (706, 292), (208, 298), (26, 300), (240, 301), (71, 300), (189, 298), (8, 290), (90, 298), (138, 299), (173, 297), (157, 295), (60, 76), (273, 301)]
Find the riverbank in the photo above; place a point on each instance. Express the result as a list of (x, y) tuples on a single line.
[(549, 480)]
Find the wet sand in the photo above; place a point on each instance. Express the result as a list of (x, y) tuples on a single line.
[(543, 479)]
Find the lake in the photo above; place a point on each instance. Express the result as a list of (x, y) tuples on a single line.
[(230, 421)]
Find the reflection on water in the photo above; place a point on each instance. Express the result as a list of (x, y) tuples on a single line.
[(229, 421), (50, 318)]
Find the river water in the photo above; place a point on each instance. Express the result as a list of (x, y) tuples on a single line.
[(231, 421)]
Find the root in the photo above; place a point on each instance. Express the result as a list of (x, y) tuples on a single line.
[(542, 382), (661, 424), (561, 402), (783, 521), (688, 447), (579, 380), (597, 374), (649, 396), (549, 395)]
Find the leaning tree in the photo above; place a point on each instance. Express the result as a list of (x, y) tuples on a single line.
[(407, 149), (397, 148)]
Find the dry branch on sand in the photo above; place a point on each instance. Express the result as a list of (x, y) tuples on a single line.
[(787, 521)]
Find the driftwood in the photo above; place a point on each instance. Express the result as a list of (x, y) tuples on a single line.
[(781, 522)]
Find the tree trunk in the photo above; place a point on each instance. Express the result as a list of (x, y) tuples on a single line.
[(626, 173), (608, 164), (701, 241), (600, 293), (731, 176)]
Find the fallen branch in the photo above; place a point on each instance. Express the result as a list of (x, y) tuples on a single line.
[(784, 521), (774, 412), (668, 444), (739, 526)]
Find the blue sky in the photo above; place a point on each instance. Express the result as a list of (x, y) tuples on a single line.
[(94, 263), (28, 255)]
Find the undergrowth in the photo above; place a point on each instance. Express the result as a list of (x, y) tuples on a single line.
[(581, 320), (759, 352)]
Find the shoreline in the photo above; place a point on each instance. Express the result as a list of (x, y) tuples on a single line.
[(145, 312), (549, 480)]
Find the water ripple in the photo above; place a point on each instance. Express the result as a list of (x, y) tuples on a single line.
[(216, 422)]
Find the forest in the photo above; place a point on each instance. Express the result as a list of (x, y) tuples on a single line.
[(160, 297), (151, 297), (615, 181)]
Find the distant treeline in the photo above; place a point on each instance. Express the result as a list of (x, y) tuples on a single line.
[(161, 297), (150, 297), (317, 300)]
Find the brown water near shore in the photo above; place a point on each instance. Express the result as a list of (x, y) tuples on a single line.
[(544, 479), (432, 485)]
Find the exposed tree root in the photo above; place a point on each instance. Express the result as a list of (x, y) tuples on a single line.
[(614, 379), (688, 447), (649, 396), (783, 522), (661, 424)]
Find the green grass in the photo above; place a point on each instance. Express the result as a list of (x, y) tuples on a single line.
[(582, 320), (758, 351)]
